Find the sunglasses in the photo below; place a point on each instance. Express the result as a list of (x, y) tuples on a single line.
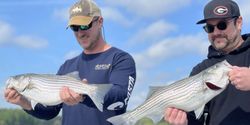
[(222, 25), (76, 28)]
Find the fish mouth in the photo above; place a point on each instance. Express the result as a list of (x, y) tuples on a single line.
[(212, 86)]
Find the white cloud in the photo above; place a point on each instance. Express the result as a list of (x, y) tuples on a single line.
[(61, 14), (72, 54), (153, 32), (149, 8), (5, 32), (244, 8), (25, 41), (170, 47), (115, 15), (30, 42), (109, 14), (33, 3)]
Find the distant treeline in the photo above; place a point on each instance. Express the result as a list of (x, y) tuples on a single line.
[(147, 121), (19, 117)]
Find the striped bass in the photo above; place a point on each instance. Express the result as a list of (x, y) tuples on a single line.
[(45, 88), (188, 94)]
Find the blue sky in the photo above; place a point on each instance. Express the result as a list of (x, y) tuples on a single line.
[(161, 36)]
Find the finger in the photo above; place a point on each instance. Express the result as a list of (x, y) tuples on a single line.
[(6, 93), (168, 113), (85, 81), (174, 113), (11, 94), (75, 96), (172, 116), (62, 93), (237, 86), (181, 117), (65, 94), (16, 95), (235, 82), (184, 116), (232, 74)]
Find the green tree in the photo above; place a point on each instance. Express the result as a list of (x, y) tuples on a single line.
[(19, 117)]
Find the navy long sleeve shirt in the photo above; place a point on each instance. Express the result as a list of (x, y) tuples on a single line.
[(113, 66)]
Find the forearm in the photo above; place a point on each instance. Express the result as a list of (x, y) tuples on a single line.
[(26, 105)]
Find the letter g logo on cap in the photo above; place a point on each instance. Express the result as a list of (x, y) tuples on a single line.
[(221, 10)]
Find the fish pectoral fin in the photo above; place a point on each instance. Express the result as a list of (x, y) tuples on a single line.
[(152, 90), (33, 104), (74, 74), (198, 112)]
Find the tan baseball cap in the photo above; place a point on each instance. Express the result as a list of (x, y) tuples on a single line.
[(82, 12)]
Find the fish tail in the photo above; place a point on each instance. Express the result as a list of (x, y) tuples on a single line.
[(99, 93), (121, 120)]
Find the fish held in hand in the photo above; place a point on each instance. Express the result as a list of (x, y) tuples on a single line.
[(188, 94), (45, 88)]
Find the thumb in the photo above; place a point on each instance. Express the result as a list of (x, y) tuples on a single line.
[(85, 81)]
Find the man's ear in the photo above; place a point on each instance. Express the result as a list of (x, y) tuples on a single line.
[(100, 21), (239, 22)]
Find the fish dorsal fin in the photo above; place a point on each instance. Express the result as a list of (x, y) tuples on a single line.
[(74, 74), (198, 112), (152, 90)]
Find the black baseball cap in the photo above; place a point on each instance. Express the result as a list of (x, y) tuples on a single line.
[(217, 9)]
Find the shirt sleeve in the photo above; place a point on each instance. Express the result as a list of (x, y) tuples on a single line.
[(122, 76), (44, 112)]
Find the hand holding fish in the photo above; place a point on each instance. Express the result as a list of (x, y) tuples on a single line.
[(12, 96), (175, 116), (240, 78), (70, 97)]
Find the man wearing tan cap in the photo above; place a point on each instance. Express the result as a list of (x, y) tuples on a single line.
[(99, 63), (223, 25)]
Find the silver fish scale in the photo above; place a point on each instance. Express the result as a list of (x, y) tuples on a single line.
[(169, 94), (54, 83), (188, 94), (44, 88)]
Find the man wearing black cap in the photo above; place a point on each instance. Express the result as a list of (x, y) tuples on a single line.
[(223, 23), (99, 63)]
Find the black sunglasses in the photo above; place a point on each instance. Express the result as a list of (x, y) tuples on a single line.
[(76, 28), (222, 25)]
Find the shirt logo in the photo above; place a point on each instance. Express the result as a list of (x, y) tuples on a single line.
[(119, 105), (131, 84), (115, 106), (102, 66), (221, 10)]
